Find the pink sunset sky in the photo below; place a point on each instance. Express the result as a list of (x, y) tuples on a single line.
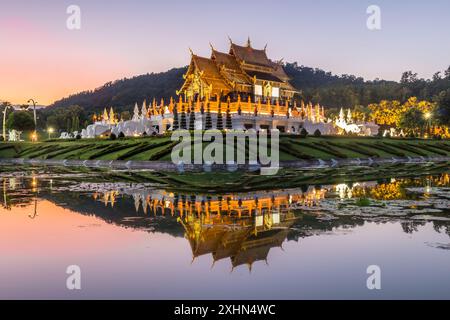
[(41, 59)]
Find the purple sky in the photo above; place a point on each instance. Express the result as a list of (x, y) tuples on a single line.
[(41, 58)]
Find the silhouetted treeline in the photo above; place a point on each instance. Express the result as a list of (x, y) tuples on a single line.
[(122, 94), (335, 91)]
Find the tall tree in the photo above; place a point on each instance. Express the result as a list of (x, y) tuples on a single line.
[(219, 117), (228, 121), (443, 108), (183, 125), (176, 124), (192, 119), (208, 121)]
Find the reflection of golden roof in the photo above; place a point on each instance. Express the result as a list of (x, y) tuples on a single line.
[(231, 243), (239, 239), (257, 247)]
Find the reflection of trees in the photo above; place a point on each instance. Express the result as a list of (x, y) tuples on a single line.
[(396, 189), (157, 210), (15, 193), (442, 226), (307, 225), (412, 226)]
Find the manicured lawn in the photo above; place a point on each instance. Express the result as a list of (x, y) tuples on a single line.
[(291, 148)]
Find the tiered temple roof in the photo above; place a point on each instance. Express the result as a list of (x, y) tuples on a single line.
[(238, 71)]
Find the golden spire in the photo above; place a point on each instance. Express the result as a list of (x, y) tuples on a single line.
[(249, 43)]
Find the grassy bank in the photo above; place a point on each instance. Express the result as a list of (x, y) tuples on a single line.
[(291, 148)]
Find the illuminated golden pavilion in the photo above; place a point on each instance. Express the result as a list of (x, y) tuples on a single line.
[(243, 70)]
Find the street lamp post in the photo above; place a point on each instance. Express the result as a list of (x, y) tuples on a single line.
[(4, 122), (50, 131), (34, 113), (34, 136)]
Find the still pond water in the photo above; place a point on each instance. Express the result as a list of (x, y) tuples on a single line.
[(140, 241)]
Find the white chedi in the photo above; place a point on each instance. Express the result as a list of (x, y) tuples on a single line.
[(14, 135), (139, 124), (347, 125)]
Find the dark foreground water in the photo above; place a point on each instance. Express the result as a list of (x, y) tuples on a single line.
[(135, 240)]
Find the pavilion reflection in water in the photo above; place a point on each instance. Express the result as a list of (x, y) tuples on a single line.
[(243, 227)]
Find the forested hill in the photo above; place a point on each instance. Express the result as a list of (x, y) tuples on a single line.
[(349, 91), (315, 85)]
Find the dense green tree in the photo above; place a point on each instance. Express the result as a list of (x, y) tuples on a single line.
[(412, 121), (443, 108), (20, 120), (67, 119)]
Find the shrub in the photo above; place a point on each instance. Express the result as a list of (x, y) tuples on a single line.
[(362, 202), (303, 133), (317, 133), (121, 134), (112, 136), (78, 137)]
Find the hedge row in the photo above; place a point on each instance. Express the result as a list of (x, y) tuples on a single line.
[(354, 148), (288, 148), (43, 151), (382, 147), (33, 149), (161, 153), (110, 149), (6, 146), (142, 148), (432, 148), (407, 148), (81, 149), (444, 146)]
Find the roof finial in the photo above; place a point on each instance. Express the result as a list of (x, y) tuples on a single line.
[(190, 50), (265, 47), (212, 47), (231, 41), (249, 43)]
